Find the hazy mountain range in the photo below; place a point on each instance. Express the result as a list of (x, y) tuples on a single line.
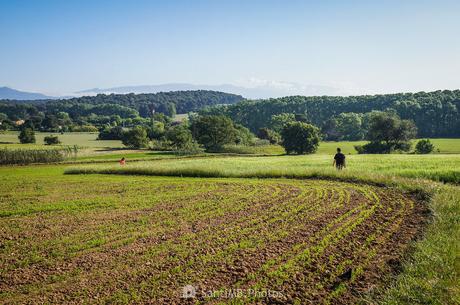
[(12, 94), (258, 89), (261, 90)]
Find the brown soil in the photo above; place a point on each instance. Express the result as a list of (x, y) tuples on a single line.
[(224, 236)]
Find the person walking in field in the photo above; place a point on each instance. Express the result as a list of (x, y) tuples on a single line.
[(339, 160), (122, 161)]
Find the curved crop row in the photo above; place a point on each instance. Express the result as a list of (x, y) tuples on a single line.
[(141, 239)]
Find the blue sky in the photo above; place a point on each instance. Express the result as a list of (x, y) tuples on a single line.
[(58, 47)]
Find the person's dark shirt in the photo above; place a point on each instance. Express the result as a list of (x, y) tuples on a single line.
[(339, 158)]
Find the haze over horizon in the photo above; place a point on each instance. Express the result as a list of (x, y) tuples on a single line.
[(299, 47)]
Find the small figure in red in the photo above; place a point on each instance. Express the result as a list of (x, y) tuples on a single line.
[(123, 161)]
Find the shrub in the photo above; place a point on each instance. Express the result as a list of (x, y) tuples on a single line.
[(373, 148), (51, 140), (267, 134), (424, 146), (161, 145), (402, 147), (243, 135), (189, 148), (382, 147), (135, 137), (300, 138), (111, 133), (84, 128), (156, 131), (27, 135)]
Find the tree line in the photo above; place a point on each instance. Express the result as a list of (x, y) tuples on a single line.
[(89, 113), (435, 114)]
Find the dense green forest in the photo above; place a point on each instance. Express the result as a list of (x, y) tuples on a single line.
[(108, 109), (436, 114)]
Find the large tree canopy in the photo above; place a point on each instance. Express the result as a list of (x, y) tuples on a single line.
[(213, 131), (300, 138), (389, 128), (387, 133)]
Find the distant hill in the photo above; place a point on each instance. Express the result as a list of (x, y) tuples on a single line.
[(264, 90), (12, 94), (259, 90)]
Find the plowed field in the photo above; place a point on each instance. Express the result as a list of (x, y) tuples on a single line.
[(143, 239)]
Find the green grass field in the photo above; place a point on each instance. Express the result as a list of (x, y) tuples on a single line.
[(103, 231), (84, 139), (10, 140), (155, 225), (125, 239), (435, 167)]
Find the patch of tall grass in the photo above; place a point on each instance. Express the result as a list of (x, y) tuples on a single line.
[(443, 168), (254, 150), (30, 156)]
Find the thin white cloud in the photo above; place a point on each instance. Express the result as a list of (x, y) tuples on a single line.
[(283, 88)]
